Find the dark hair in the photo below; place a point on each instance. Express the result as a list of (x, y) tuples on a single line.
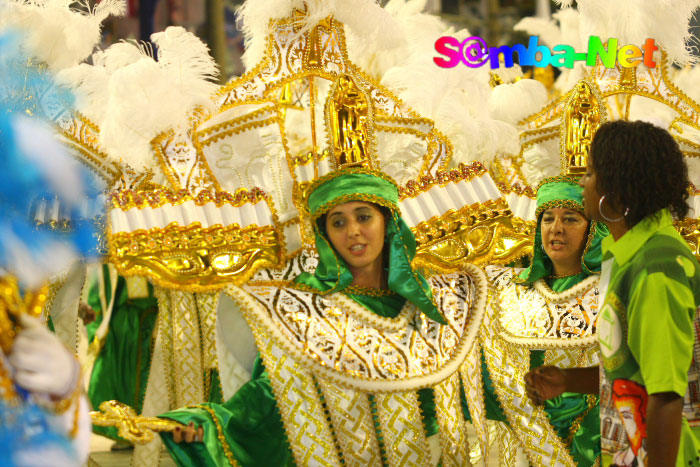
[(640, 167)]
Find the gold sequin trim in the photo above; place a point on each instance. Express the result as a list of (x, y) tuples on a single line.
[(220, 435), (368, 291)]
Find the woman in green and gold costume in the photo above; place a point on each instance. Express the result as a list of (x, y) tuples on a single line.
[(545, 313), (360, 360)]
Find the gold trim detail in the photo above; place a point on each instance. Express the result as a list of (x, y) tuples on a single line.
[(220, 435), (303, 414), (330, 341), (353, 425), (139, 199), (368, 291), (482, 233), (402, 429), (464, 172), (453, 428), (195, 259)]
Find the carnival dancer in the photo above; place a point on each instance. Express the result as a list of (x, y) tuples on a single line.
[(636, 182), (372, 332), (43, 414), (545, 313)]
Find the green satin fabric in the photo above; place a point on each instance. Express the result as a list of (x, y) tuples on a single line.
[(251, 426), (565, 409), (562, 411), (563, 192), (332, 274), (121, 368)]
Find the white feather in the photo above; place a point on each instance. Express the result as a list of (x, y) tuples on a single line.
[(547, 29), (132, 97), (364, 17), (187, 60), (457, 101), (632, 22), (56, 34), (148, 97), (513, 102)]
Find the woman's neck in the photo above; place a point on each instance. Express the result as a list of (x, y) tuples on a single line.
[(372, 276), (617, 229), (565, 270)]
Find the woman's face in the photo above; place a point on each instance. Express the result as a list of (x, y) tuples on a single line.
[(564, 237), (591, 197), (357, 229)]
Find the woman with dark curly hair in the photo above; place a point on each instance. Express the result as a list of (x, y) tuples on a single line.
[(636, 182)]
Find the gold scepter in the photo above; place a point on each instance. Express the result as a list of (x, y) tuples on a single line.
[(132, 427)]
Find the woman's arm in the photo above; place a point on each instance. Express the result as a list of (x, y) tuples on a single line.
[(547, 382), (664, 414)]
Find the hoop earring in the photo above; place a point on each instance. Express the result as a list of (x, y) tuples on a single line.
[(600, 210)]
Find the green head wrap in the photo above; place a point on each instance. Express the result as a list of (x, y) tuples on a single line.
[(332, 273), (563, 192)]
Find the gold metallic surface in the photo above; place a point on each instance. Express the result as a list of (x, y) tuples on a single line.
[(196, 259), (581, 120), (13, 304), (484, 233), (348, 112), (132, 427), (690, 231)]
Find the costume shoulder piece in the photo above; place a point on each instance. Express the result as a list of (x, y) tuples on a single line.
[(536, 317), (336, 337)]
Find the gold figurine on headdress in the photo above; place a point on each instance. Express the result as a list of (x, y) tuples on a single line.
[(582, 120), (348, 111)]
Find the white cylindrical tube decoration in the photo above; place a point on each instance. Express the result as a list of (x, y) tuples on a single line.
[(427, 206), (213, 215), (409, 211), (230, 215), (470, 197), (263, 216), (456, 195), (118, 221)]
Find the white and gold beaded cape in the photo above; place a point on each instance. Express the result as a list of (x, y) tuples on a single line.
[(345, 378), (520, 318)]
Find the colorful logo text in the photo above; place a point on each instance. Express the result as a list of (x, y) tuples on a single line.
[(474, 53)]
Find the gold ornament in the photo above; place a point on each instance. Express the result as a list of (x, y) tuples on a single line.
[(131, 427)]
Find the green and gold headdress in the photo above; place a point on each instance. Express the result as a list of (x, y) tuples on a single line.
[(332, 274), (563, 192)]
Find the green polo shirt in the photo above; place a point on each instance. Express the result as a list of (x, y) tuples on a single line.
[(645, 328)]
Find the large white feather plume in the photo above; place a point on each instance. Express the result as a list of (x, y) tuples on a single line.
[(563, 28), (133, 98), (457, 99), (364, 17), (632, 22), (513, 102), (57, 33)]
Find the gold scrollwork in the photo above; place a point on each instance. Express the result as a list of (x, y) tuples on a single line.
[(483, 233), (195, 259)]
